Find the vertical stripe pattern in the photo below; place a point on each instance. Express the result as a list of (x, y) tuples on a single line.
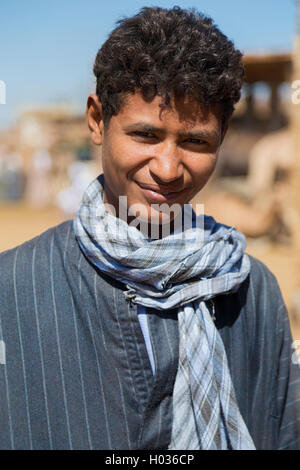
[(194, 264), (102, 378)]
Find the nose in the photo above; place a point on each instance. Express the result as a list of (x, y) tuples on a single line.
[(166, 164)]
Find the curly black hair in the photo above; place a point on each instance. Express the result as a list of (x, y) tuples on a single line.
[(168, 53)]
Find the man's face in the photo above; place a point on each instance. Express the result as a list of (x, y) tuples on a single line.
[(156, 156)]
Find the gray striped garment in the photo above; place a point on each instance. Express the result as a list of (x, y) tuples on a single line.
[(76, 373), (185, 269)]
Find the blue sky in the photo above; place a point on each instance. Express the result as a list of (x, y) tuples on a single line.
[(47, 49)]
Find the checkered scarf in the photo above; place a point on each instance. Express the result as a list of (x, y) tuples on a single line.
[(185, 270)]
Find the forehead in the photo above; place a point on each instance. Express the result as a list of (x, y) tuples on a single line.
[(183, 113)]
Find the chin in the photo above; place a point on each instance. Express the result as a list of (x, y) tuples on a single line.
[(153, 223)]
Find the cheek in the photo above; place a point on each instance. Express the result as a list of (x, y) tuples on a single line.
[(204, 169), (124, 156)]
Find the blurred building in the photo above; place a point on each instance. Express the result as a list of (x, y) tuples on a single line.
[(48, 141), (263, 109)]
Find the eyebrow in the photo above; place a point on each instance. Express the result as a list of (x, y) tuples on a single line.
[(149, 128)]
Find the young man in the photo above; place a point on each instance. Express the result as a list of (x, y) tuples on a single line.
[(118, 335)]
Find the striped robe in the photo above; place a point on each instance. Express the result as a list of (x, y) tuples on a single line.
[(76, 373)]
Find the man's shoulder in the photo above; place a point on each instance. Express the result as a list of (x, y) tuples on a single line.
[(258, 301), (261, 279), (41, 243), (261, 297)]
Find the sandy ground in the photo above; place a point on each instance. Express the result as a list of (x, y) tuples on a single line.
[(20, 223)]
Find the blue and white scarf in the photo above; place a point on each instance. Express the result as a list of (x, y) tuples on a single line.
[(185, 272)]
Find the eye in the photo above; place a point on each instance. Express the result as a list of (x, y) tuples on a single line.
[(195, 141), (144, 135)]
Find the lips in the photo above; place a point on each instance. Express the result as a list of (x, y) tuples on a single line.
[(158, 194)]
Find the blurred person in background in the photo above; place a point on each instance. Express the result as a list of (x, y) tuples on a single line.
[(12, 177), (81, 172), (38, 189), (118, 339)]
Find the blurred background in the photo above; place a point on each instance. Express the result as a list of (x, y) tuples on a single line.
[(47, 50)]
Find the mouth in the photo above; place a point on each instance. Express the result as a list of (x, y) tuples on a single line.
[(157, 194)]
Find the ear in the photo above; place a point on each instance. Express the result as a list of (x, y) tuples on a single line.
[(94, 118)]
